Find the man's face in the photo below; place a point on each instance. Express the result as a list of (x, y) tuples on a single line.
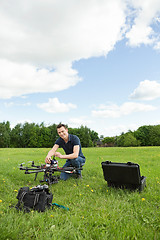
[(63, 132)]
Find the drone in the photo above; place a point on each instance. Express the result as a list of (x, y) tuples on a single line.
[(48, 170)]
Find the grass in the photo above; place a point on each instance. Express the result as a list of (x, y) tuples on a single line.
[(95, 210)]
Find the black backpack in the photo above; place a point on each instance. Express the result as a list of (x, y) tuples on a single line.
[(38, 198)]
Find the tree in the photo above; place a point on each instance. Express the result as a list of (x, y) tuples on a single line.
[(16, 136), (33, 140), (44, 139), (127, 140), (54, 134), (5, 134), (109, 141), (94, 137), (155, 136), (144, 135), (30, 135), (85, 135)]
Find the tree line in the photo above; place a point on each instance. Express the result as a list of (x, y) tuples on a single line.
[(31, 135), (146, 135)]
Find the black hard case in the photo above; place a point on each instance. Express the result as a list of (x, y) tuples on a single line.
[(123, 175)]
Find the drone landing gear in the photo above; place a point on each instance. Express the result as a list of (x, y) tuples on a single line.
[(50, 179)]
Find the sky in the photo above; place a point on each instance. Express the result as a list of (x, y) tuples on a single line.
[(94, 63)]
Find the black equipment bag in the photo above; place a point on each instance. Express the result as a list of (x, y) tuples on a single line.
[(123, 175), (38, 198)]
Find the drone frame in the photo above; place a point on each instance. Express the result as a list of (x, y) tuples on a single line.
[(48, 171)]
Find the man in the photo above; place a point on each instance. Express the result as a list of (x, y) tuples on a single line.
[(72, 148)]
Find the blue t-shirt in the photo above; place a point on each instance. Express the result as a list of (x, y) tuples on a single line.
[(73, 140)]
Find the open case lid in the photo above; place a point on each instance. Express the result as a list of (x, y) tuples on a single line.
[(121, 173)]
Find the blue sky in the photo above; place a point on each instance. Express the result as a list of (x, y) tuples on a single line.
[(93, 63)]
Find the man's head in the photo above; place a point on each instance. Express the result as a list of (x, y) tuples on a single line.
[(61, 125), (62, 131)]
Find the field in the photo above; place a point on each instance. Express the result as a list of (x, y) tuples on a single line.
[(95, 210)]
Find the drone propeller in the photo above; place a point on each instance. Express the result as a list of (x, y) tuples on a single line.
[(21, 164)]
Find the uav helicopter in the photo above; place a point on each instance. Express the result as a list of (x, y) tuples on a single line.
[(48, 170)]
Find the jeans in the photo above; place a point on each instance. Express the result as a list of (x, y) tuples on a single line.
[(76, 162)]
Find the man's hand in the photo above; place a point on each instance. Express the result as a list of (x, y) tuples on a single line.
[(48, 160), (51, 153), (58, 154)]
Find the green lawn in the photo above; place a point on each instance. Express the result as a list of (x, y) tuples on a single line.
[(95, 210)]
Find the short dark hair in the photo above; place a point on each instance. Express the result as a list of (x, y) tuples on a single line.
[(61, 125)]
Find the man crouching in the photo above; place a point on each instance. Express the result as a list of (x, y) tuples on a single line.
[(72, 147)]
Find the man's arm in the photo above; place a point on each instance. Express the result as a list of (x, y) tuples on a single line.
[(69, 156), (51, 153)]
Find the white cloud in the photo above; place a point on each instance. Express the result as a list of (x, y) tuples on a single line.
[(10, 104), (145, 13), (53, 32), (55, 106), (39, 36), (17, 79), (140, 34), (77, 122), (147, 90), (157, 46), (116, 130), (115, 111)]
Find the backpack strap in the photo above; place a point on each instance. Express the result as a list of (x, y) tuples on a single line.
[(60, 206), (36, 199), (20, 201), (22, 196)]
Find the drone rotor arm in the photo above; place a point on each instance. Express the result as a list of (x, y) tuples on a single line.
[(36, 171)]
